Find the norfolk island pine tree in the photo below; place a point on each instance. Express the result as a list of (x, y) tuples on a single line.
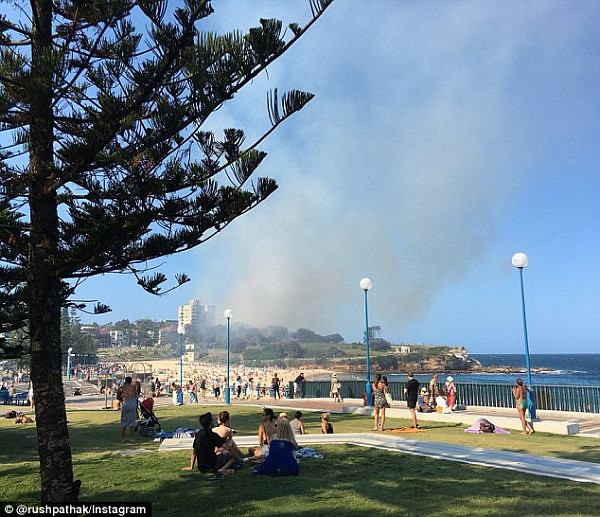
[(109, 165)]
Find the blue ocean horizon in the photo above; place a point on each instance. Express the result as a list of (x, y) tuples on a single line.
[(560, 369)]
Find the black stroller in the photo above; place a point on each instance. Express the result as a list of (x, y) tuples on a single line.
[(148, 425)]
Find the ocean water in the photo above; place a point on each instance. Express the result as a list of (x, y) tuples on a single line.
[(561, 369)]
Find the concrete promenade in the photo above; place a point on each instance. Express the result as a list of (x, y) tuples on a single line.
[(557, 422)]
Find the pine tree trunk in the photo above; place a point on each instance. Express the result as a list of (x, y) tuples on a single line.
[(56, 467)]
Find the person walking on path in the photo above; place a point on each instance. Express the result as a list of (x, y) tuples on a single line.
[(412, 394), (128, 395), (335, 390), (450, 390), (30, 397), (433, 390), (379, 401), (520, 393)]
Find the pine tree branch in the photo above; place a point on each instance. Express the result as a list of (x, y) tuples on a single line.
[(7, 26)]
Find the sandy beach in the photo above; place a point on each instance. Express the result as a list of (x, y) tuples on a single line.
[(168, 371)]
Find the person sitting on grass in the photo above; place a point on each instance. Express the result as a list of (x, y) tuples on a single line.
[(281, 460), (297, 424), (224, 431), (205, 444), (267, 431), (326, 426), (285, 432)]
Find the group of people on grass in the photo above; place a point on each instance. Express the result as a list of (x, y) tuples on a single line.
[(214, 449)]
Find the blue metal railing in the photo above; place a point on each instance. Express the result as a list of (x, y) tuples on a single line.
[(584, 399)]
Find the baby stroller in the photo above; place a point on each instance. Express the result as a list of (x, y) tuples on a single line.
[(148, 425)]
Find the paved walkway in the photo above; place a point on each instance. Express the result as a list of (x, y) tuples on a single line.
[(567, 423)]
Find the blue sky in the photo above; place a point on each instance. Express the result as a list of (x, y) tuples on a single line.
[(443, 138)]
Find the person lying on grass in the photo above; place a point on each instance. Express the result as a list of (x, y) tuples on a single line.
[(205, 444)]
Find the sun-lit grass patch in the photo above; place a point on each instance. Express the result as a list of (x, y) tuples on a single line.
[(352, 479)]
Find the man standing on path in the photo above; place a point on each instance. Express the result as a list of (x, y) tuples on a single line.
[(128, 395), (275, 387), (299, 386), (412, 394)]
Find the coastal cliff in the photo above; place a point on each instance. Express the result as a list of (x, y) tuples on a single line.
[(403, 358), (430, 359)]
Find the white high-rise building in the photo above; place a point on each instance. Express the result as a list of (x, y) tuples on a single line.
[(197, 315)]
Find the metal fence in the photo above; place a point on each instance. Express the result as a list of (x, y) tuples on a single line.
[(584, 399)]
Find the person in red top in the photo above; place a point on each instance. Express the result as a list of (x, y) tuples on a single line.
[(450, 390)]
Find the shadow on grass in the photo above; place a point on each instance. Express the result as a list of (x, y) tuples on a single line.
[(587, 453), (353, 480)]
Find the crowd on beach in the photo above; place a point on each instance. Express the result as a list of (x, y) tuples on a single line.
[(206, 380)]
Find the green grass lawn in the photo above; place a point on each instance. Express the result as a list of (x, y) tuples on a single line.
[(349, 481)]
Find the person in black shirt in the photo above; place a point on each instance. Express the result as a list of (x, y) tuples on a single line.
[(412, 394), (206, 443), (275, 387), (299, 386)]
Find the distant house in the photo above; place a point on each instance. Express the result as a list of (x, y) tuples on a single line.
[(401, 349), (119, 338), (103, 338), (189, 352), (167, 336)]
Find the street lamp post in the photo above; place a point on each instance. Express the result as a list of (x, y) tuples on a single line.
[(228, 314), (181, 332), (69, 350), (520, 261), (365, 285)]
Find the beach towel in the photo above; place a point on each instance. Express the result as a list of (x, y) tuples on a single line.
[(405, 430), (308, 452), (476, 427)]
